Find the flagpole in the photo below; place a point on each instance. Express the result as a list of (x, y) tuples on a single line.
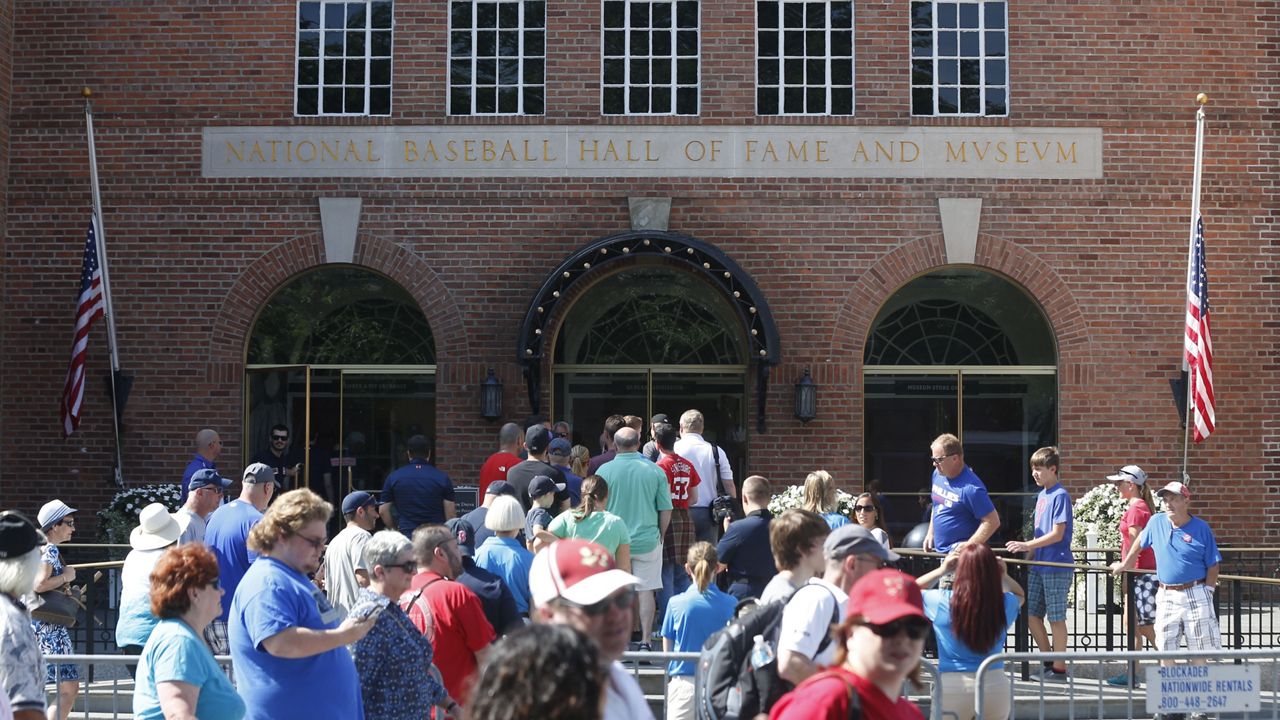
[(109, 309), (1201, 100)]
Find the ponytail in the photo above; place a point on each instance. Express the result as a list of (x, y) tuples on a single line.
[(1146, 498), (595, 494), (702, 564)]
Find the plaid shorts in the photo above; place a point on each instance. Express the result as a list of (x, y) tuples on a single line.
[(1144, 598), (1186, 613), (215, 634), (1047, 594), (679, 538)]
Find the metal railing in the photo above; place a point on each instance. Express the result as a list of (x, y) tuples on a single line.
[(1085, 693)]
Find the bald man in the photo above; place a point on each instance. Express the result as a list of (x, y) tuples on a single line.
[(208, 446)]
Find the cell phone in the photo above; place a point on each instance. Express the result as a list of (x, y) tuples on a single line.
[(371, 613)]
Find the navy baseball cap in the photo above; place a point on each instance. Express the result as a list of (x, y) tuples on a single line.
[(500, 487), (465, 534), (559, 446), (208, 477), (357, 500), (541, 485)]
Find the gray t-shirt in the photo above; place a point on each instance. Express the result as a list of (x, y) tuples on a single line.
[(21, 665), (192, 526), (342, 558)]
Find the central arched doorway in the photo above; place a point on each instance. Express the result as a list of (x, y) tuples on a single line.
[(343, 357), (647, 339), (965, 351)]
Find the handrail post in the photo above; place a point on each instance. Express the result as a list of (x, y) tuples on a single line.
[(1110, 596), (1237, 613)]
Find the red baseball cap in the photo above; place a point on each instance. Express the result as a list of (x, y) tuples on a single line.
[(1175, 488), (579, 571), (886, 595)]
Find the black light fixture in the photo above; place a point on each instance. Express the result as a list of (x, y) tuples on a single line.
[(491, 397), (806, 398)]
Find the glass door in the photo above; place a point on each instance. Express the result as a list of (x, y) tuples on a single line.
[(721, 398), (277, 396), (585, 398)]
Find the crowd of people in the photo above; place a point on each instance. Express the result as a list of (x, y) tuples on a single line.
[(524, 606)]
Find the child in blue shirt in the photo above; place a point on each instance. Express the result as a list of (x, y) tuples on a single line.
[(1047, 587), (691, 618)]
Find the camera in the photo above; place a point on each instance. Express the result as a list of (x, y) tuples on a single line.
[(721, 508)]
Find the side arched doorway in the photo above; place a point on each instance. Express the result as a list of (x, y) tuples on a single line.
[(965, 351), (344, 358)]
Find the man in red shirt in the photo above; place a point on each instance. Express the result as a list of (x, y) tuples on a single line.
[(683, 479), (510, 441), (447, 612)]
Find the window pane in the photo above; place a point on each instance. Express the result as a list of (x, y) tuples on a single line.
[(687, 14), (460, 44), (380, 72), (793, 100), (508, 44), (995, 44), (970, 72), (508, 15), (661, 15), (815, 72), (815, 42), (995, 72), (308, 15), (614, 14), (333, 44), (308, 72), (660, 43), (816, 101), (460, 72), (332, 72), (460, 101), (841, 73), (486, 15), (768, 43), (766, 101), (640, 71), (309, 44), (639, 42), (355, 100), (535, 14), (994, 12), (948, 44), (792, 15), (687, 72), (969, 44), (486, 100), (615, 43), (615, 72), (922, 15), (947, 15), (969, 15), (533, 101), (380, 101), (486, 43), (355, 43), (841, 15), (970, 100), (687, 101), (767, 72), (486, 71), (334, 15), (948, 100), (640, 14), (660, 100), (948, 72), (767, 14), (686, 42), (996, 102), (614, 101), (381, 44), (921, 44), (307, 101), (922, 72), (842, 44), (922, 101), (332, 101), (355, 72), (638, 99), (509, 100), (356, 18), (660, 72), (460, 14), (793, 72), (533, 43), (841, 101), (534, 72), (509, 72), (381, 16), (815, 14)]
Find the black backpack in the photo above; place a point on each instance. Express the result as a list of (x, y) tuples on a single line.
[(727, 686)]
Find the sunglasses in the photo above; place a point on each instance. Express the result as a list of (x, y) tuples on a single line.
[(863, 508), (915, 628), (315, 544), (277, 438), (938, 460), (621, 602), (410, 567)]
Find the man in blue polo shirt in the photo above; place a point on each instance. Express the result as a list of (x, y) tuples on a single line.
[(208, 447), (962, 510), (1187, 562), (418, 493), (1047, 586)]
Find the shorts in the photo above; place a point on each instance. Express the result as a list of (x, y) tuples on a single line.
[(1186, 613), (680, 704), (1047, 594), (215, 635), (960, 688), (1144, 597), (648, 567), (679, 537)]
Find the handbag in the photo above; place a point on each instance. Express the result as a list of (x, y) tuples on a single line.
[(61, 606)]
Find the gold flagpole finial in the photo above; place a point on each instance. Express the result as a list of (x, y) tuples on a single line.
[(1202, 99), (86, 92)]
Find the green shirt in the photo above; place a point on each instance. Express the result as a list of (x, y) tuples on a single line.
[(638, 491), (601, 527)]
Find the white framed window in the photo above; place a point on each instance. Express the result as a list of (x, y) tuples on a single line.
[(650, 56), (959, 57), (344, 58), (804, 57), (497, 57)]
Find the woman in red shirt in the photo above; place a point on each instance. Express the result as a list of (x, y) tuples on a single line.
[(1131, 481), (878, 648)]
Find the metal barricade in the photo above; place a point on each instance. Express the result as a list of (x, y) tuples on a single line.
[(1086, 693), (105, 684)]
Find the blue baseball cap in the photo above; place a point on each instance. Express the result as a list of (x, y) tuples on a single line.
[(207, 477), (357, 500)]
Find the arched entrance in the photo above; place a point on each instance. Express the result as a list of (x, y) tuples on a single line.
[(652, 339), (964, 351), (345, 359)]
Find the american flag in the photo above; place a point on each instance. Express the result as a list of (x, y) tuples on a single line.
[(89, 307), (1197, 347)]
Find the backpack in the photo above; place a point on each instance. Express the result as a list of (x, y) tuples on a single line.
[(728, 685)]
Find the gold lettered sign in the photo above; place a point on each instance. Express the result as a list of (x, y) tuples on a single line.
[(644, 151)]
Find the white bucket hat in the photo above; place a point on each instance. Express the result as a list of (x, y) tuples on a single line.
[(51, 512), (157, 528)]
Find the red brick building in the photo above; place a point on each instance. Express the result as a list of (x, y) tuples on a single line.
[(965, 217)]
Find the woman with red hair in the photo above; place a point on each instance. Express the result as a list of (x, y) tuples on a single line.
[(970, 620), (177, 675)]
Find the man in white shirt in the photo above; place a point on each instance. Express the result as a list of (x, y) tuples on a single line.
[(575, 583), (702, 455), (804, 646), (345, 570), (204, 495)]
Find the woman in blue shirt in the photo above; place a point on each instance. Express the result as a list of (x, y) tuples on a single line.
[(820, 497), (970, 621), (177, 675), (503, 555), (691, 618)]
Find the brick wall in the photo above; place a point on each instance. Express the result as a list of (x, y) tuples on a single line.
[(193, 259)]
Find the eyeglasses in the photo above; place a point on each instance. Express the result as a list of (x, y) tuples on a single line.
[(938, 460), (410, 567), (872, 560), (315, 544), (863, 508), (621, 602), (280, 438), (69, 522), (213, 489), (915, 628)]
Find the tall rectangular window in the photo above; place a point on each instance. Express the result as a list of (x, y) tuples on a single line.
[(344, 58), (804, 57), (650, 57), (959, 57), (497, 57)]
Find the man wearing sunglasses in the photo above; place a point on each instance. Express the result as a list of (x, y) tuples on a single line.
[(285, 459), (204, 495), (575, 583), (962, 510)]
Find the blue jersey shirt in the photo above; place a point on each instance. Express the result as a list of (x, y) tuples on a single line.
[(691, 618), (959, 505), (418, 491), (1183, 554), (1053, 506), (274, 597), (226, 535), (954, 655), (510, 560)]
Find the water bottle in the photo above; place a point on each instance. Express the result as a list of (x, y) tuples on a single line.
[(761, 653)]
